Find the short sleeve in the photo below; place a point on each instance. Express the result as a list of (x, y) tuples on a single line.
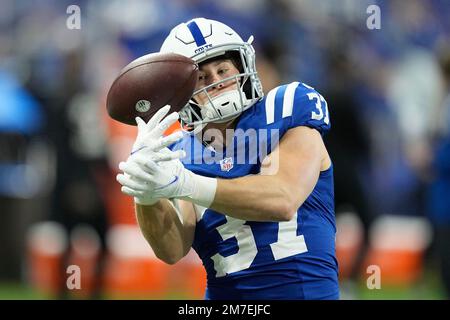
[(310, 109), (297, 104)]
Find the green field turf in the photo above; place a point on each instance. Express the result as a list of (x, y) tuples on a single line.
[(428, 288)]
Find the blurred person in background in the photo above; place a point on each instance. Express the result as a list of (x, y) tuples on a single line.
[(76, 201), (50, 63), (24, 171), (349, 143), (438, 199)]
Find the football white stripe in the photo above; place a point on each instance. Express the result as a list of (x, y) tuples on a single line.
[(288, 101), (270, 105)]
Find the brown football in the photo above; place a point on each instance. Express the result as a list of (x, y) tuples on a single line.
[(148, 84)]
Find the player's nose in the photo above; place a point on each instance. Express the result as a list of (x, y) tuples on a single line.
[(214, 79)]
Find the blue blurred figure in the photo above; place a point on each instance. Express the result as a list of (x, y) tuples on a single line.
[(439, 191), (21, 119)]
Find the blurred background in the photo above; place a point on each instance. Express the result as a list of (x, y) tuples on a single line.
[(388, 92)]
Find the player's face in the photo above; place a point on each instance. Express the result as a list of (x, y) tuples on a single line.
[(212, 72)]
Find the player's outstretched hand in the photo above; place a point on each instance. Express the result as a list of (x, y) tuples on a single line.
[(150, 144), (152, 171), (148, 180), (141, 182), (150, 134)]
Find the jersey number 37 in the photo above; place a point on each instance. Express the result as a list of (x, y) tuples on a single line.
[(288, 244)]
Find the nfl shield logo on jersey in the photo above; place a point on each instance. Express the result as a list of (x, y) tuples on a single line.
[(226, 164)]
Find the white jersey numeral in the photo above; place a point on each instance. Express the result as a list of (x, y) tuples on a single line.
[(288, 244), (319, 100), (246, 243)]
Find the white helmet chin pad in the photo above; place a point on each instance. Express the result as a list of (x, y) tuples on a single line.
[(202, 39), (224, 107)]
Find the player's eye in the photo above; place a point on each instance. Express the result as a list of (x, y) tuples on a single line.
[(222, 71)]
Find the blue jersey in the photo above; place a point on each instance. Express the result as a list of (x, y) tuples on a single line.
[(267, 260)]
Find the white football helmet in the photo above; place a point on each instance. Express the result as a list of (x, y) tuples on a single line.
[(201, 39)]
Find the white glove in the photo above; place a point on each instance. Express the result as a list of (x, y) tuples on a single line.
[(136, 181), (149, 139), (150, 134), (149, 180)]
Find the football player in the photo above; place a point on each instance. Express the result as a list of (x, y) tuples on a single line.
[(263, 231)]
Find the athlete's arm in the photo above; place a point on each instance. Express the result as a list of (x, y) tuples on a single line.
[(276, 196), (169, 231)]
